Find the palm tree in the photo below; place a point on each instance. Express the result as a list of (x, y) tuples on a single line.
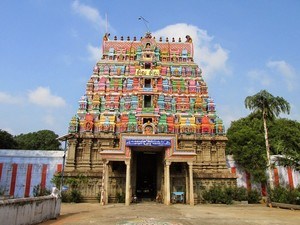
[(270, 107)]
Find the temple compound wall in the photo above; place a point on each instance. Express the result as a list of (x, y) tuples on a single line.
[(23, 170), (146, 126), (283, 176)]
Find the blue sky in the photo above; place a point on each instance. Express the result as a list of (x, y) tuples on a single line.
[(48, 49)]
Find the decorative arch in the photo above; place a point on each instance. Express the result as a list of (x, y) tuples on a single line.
[(148, 128)]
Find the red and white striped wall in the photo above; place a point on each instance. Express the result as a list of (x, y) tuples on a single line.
[(283, 176), (22, 170)]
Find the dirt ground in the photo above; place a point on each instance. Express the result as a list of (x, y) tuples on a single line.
[(178, 214)]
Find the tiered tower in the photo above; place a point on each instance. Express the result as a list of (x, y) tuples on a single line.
[(147, 97)]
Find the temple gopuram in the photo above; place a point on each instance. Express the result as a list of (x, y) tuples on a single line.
[(146, 127)]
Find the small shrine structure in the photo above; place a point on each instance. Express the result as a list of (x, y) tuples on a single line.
[(146, 127)]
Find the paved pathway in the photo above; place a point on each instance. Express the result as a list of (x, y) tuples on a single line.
[(158, 214)]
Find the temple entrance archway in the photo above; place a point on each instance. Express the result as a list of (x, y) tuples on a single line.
[(154, 169), (147, 172)]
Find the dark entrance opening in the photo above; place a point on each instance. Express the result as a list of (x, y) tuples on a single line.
[(147, 65), (146, 175), (147, 101), (147, 83), (146, 120)]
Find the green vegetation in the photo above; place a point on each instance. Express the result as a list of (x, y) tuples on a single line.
[(2, 191), (7, 140), (284, 139), (226, 195), (40, 140), (285, 195), (246, 144), (269, 107), (39, 191), (73, 194)]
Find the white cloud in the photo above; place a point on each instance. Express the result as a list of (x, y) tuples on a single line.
[(211, 57), (285, 70), (275, 74), (9, 99), (94, 52), (100, 22), (260, 77), (91, 14), (43, 97)]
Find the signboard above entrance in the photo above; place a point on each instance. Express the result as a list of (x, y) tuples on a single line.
[(147, 72), (146, 142)]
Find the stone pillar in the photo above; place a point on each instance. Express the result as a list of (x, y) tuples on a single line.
[(167, 183), (127, 189), (221, 155), (96, 162), (86, 155), (187, 192), (104, 193), (191, 183), (71, 160)]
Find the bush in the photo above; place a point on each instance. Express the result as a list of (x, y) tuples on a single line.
[(285, 195), (228, 195), (74, 183), (279, 194), (253, 197), (2, 190), (216, 194), (66, 197), (76, 196), (71, 196), (213, 195), (240, 194), (39, 191)]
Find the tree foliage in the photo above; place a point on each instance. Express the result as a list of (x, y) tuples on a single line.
[(266, 104), (7, 140), (269, 107), (40, 140), (246, 143), (284, 139)]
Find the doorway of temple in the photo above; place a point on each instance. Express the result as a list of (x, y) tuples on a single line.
[(148, 174)]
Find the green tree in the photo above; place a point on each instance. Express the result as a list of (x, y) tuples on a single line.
[(245, 143), (284, 139), (7, 140), (270, 107), (40, 140)]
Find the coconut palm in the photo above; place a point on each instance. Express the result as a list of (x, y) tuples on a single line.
[(269, 107)]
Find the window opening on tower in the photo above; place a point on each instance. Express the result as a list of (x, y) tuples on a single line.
[(147, 65), (146, 120), (147, 101), (147, 83)]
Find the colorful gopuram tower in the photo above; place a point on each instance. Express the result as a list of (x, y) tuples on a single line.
[(146, 125)]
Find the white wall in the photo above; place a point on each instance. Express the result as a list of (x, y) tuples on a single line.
[(49, 160), (29, 210)]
